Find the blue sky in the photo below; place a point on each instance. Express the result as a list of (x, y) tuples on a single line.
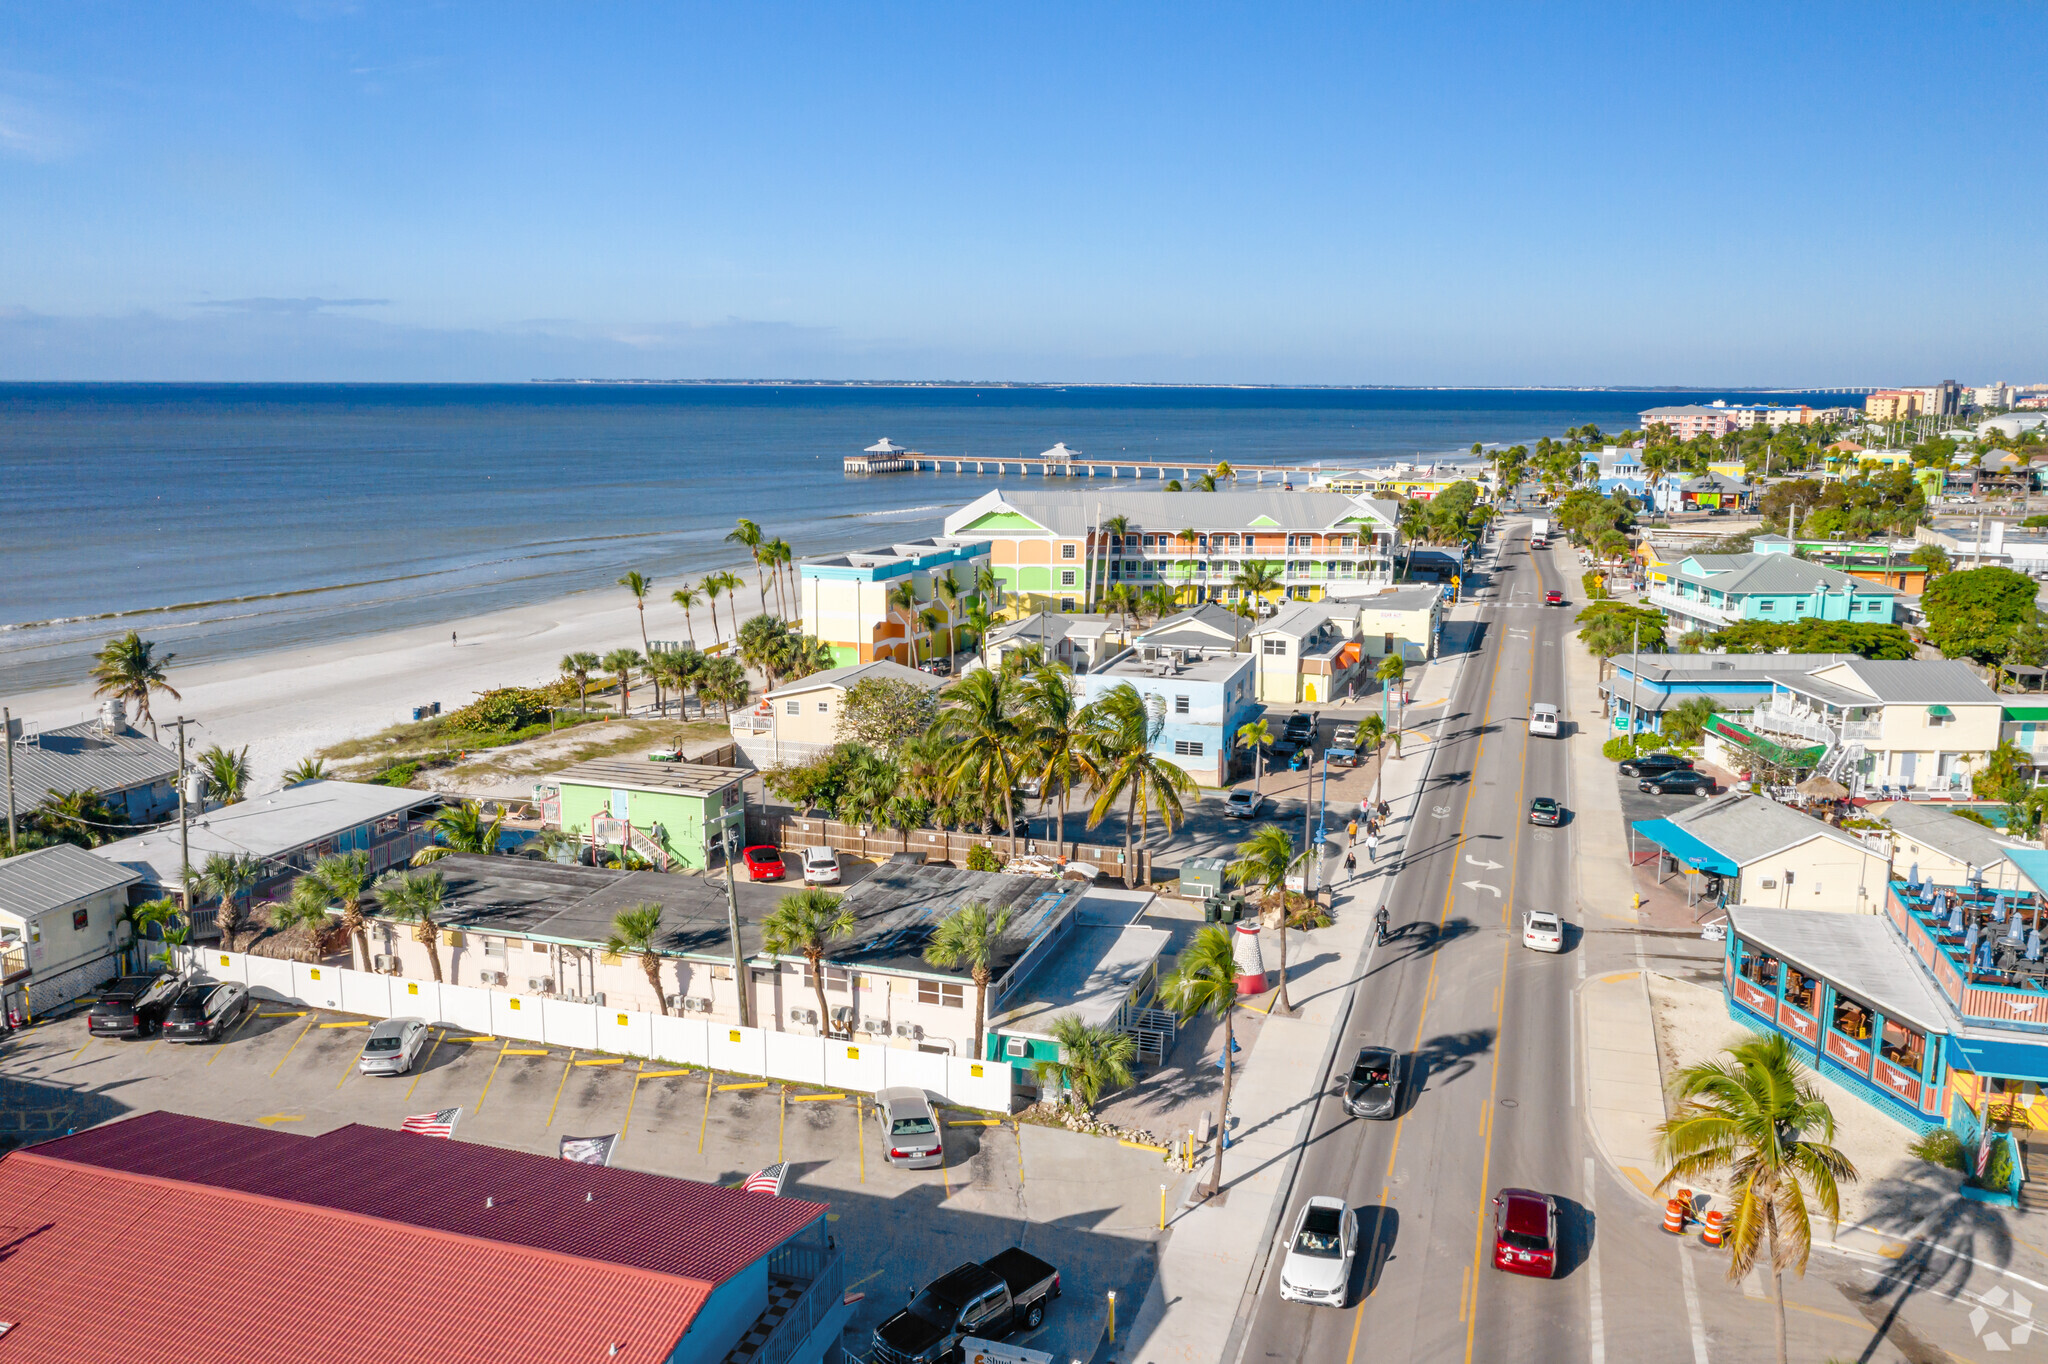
[(1556, 194)]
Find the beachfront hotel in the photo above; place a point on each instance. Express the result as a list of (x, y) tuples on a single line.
[(1067, 549), (845, 597)]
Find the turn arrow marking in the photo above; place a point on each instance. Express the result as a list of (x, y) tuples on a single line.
[(1489, 866), (1481, 885)]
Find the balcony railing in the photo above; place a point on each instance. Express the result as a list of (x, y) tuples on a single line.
[(1787, 717), (826, 1272), (1697, 607)]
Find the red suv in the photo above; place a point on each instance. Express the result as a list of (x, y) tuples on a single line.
[(763, 862), (1525, 1233), (1553, 598)]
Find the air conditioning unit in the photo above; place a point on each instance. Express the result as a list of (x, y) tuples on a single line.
[(843, 1016), (677, 1002), (911, 1031), (878, 1027), (805, 1016), (597, 999), (496, 978), (382, 963), (540, 985), (1016, 1046), (696, 1004)]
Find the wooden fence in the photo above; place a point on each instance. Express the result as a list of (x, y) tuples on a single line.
[(787, 830)]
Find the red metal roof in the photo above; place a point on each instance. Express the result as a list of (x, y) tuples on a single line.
[(653, 1222), (109, 1266)]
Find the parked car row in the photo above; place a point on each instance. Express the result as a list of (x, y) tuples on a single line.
[(1663, 773), (167, 1005)]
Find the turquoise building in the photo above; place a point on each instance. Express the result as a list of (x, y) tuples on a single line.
[(1709, 591)]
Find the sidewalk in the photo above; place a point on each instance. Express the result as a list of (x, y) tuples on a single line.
[(1206, 1264)]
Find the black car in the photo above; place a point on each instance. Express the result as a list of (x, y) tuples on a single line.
[(206, 1009), (1652, 763), (1683, 780), (132, 1006), (1544, 810), (1298, 729), (1374, 1087)]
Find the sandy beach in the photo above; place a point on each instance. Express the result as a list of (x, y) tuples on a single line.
[(286, 705)]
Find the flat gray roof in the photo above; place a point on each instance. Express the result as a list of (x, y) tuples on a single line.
[(1090, 973), (641, 774), (84, 756), (265, 826), (50, 878), (897, 907), (1745, 828), (1859, 952), (1963, 839)]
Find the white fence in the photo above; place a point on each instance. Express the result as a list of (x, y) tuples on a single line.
[(836, 1063)]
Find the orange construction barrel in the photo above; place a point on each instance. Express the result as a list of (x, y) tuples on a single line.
[(1710, 1235), (1674, 1217)]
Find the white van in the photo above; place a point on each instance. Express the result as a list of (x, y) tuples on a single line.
[(1543, 720)]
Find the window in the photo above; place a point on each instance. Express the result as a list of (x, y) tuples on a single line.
[(1066, 577), (792, 707), (1066, 603), (1187, 748), (78, 919), (1066, 551), (940, 993), (1180, 705), (1277, 648), (494, 948), (837, 979), (824, 707), (1766, 605), (1903, 1046)]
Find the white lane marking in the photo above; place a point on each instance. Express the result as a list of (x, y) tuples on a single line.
[(1692, 1306), (1476, 886), (1488, 865), (1596, 1324)]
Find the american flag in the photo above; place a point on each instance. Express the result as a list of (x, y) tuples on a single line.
[(441, 1124), (768, 1180)]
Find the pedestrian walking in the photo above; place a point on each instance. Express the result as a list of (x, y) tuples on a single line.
[(1372, 847), (1351, 833), (1351, 862), (451, 639)]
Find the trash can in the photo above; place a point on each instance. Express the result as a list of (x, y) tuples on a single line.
[(1202, 877)]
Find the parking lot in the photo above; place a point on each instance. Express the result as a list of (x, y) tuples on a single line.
[(1088, 1205)]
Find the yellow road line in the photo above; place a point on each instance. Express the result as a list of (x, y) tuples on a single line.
[(487, 1082), (344, 1025), (1140, 1146), (272, 1119), (424, 1064), (814, 1098), (710, 1084), (1019, 1129), (980, 1122), (525, 1051), (602, 1061), (631, 1099), (298, 1013), (659, 1074), (348, 1068), (289, 1050), (1640, 1180), (81, 1051), (240, 1024), (559, 1087), (747, 1084)]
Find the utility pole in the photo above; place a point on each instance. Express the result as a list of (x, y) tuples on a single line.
[(733, 838), (7, 732), (184, 823)]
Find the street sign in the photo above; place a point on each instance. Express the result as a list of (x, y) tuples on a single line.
[(1621, 724)]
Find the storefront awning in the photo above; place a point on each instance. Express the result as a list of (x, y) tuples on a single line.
[(1684, 846), (2006, 1060), (2032, 865), (1939, 713)]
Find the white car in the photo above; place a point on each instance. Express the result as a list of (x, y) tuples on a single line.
[(821, 867), (1243, 804), (1543, 931), (1319, 1254), (393, 1045)]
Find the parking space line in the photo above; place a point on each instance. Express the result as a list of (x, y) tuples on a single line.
[(289, 1050), (560, 1086), (944, 1179), (632, 1099), (424, 1064), (609, 1061), (1018, 1128), (747, 1084), (81, 1051), (345, 1025), (710, 1084), (814, 1098), (487, 1083), (348, 1068), (240, 1023)]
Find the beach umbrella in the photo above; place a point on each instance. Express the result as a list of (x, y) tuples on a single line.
[(1984, 955), (2015, 930), (1970, 943), (1955, 920), (1913, 877), (2033, 944), (1998, 909)]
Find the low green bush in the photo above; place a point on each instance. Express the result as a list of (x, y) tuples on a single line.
[(1940, 1147), (401, 775), (981, 857), (499, 709)]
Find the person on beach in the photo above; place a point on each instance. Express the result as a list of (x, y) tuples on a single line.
[(451, 639)]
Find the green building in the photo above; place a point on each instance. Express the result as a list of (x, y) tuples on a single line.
[(668, 812)]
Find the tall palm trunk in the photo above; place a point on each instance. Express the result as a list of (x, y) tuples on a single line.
[(1010, 822), (431, 936), (1280, 1002), (1130, 862), (1778, 1293), (1223, 1124), (651, 964), (817, 960), (980, 974)]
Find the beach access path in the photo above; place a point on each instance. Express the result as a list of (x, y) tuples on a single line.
[(286, 705)]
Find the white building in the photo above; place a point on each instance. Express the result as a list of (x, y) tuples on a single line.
[(61, 910)]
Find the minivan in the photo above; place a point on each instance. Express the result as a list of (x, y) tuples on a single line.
[(1543, 720)]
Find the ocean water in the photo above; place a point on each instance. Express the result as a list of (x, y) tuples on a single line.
[(223, 520)]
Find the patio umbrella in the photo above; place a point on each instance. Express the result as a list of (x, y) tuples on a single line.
[(1970, 943), (2033, 944), (2015, 930), (1955, 920), (1984, 955), (1998, 910), (1913, 877)]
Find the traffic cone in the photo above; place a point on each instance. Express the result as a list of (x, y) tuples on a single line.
[(1674, 1217), (1710, 1235)]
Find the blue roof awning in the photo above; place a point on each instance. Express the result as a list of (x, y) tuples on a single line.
[(2006, 1060), (2032, 864), (1684, 846)]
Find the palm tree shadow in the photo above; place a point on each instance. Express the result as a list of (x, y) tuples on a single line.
[(1444, 1058), (1944, 1234)]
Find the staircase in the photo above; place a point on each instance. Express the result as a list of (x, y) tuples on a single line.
[(2034, 1160), (646, 847), (1153, 1030)]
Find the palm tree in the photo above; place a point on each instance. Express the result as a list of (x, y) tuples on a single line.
[(903, 598), (620, 664), (805, 924), (1158, 601), (415, 897), (1392, 669), (748, 534), (635, 930), (932, 620), (730, 583), (1256, 735), (1092, 1059), (459, 829), (777, 555), (680, 669), (981, 620), (713, 586), (1751, 1116), (1223, 470), (164, 916), (761, 641), (308, 769), (227, 772), (687, 597), (226, 877), (970, 935), (343, 878), (1687, 721), (1263, 863), (725, 682), (1204, 980), (637, 583), (1051, 717), (129, 668), (1255, 580), (1123, 731), (1112, 532), (80, 817), (1122, 601), (946, 591), (1372, 730), (977, 713), (303, 914), (580, 666), (988, 587), (1206, 483)]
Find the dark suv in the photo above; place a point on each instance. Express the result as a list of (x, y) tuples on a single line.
[(1298, 729), (203, 1011), (1650, 764), (1684, 781), (133, 1006)]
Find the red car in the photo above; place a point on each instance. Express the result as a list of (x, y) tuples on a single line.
[(763, 862), (1553, 598), (1525, 1233)]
